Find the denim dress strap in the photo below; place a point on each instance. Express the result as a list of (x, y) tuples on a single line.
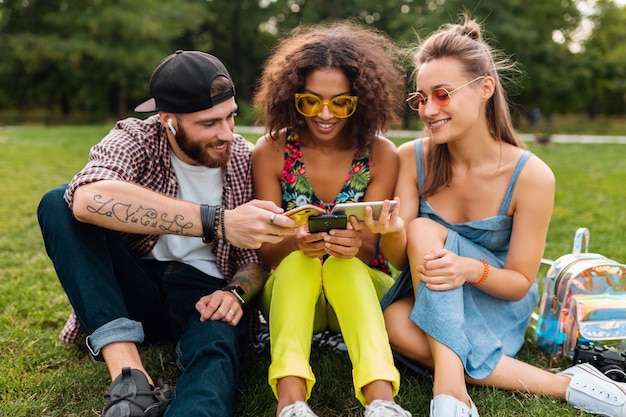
[(506, 201)]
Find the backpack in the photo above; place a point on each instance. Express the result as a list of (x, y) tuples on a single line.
[(569, 280)]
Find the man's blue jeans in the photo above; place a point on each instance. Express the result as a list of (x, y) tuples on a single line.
[(119, 297)]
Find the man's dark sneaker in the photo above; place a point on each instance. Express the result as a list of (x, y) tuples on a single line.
[(130, 395)]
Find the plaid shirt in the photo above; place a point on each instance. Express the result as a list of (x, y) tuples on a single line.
[(137, 151)]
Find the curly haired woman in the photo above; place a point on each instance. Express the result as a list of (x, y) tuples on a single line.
[(324, 95)]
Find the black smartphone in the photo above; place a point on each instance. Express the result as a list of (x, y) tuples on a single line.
[(327, 222)]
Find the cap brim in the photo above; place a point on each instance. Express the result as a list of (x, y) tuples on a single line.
[(146, 106)]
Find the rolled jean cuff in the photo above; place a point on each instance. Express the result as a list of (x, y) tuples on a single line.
[(118, 330)]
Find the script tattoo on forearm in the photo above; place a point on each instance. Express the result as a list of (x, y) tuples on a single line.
[(145, 216)]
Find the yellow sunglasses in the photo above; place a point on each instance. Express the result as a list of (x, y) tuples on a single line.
[(310, 105)]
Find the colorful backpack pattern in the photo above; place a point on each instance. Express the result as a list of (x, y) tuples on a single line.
[(577, 274)]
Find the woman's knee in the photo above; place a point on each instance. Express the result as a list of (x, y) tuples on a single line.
[(343, 269), (423, 231), (421, 226), (297, 261)]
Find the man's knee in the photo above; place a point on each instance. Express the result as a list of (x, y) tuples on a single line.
[(211, 339), (52, 204)]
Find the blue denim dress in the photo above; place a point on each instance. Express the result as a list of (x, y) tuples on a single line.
[(478, 327)]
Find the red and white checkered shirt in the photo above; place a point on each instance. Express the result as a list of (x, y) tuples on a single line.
[(137, 151)]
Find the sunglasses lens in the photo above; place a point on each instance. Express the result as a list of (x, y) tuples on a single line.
[(441, 97), (415, 101), (343, 106), (308, 105)]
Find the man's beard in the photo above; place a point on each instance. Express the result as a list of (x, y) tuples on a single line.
[(199, 151)]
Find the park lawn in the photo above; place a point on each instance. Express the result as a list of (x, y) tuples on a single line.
[(39, 376)]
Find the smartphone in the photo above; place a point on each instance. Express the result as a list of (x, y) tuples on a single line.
[(302, 213), (356, 209), (326, 222)]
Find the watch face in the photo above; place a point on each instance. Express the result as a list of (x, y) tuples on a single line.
[(241, 293), (238, 291)]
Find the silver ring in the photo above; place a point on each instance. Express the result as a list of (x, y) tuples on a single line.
[(231, 312), (272, 217)]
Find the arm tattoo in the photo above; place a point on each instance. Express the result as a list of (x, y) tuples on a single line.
[(150, 218), (251, 277)]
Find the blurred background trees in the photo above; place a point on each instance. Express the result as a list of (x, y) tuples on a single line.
[(93, 58)]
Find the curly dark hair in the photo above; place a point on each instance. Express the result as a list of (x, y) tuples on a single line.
[(369, 59)]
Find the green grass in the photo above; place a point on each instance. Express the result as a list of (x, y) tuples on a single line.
[(576, 124), (39, 376)]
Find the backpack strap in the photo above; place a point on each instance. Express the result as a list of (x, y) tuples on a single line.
[(578, 240)]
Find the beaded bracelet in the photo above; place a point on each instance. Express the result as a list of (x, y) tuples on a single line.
[(482, 279), (216, 237), (222, 224)]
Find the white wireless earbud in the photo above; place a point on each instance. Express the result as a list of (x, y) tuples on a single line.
[(169, 123)]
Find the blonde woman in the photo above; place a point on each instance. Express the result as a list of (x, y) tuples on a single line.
[(470, 256)]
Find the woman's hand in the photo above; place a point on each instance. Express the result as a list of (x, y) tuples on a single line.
[(311, 244), (444, 270), (343, 243), (388, 221)]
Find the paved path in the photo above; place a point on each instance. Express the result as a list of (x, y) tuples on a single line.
[(410, 134)]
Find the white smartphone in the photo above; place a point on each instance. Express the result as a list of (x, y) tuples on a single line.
[(356, 209)]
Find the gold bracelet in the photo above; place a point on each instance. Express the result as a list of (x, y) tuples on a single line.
[(482, 279)]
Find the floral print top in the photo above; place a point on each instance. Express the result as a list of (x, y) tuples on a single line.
[(297, 189)]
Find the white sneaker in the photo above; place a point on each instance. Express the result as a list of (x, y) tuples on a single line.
[(592, 391), (297, 409), (448, 406), (384, 408)]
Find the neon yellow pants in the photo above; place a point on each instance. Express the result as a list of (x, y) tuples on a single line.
[(304, 296)]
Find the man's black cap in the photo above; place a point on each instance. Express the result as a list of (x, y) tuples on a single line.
[(182, 83)]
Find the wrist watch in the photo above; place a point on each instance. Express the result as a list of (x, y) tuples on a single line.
[(237, 291)]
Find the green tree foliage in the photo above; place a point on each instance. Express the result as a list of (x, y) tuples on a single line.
[(88, 55), (96, 56), (606, 50), (524, 30)]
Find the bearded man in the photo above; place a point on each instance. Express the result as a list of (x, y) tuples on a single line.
[(153, 240)]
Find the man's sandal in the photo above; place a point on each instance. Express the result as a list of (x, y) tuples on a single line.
[(131, 395)]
